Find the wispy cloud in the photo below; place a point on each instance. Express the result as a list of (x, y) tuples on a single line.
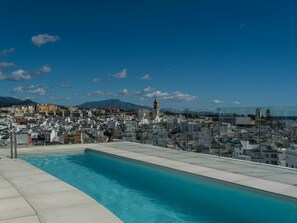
[(99, 93), (32, 89), (148, 89), (217, 101), (38, 91), (146, 93), (96, 80), (7, 51), (42, 39), (146, 77), (158, 94), (44, 69), (236, 102), (4, 65), (125, 92), (176, 96), (17, 90), (18, 75), (122, 74)]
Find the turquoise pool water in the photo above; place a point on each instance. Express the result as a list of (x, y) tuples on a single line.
[(141, 193)]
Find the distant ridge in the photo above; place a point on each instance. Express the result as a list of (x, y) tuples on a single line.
[(112, 103), (9, 101), (28, 102)]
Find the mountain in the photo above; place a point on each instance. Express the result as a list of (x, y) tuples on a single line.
[(27, 102), (112, 103), (9, 101)]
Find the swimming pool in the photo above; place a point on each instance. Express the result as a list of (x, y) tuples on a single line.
[(136, 192)]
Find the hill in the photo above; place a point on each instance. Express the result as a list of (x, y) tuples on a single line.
[(112, 103), (9, 101)]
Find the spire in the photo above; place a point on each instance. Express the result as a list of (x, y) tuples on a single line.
[(156, 111), (156, 103)]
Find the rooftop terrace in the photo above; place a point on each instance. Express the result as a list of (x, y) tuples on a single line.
[(28, 194)]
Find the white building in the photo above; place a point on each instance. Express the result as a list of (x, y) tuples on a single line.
[(291, 156)]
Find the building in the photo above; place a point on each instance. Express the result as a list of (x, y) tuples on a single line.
[(258, 115), (272, 155), (156, 111), (21, 110), (73, 138), (45, 108), (291, 156), (243, 121)]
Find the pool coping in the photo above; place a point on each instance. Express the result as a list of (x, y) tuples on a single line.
[(17, 178), (261, 185), (30, 195)]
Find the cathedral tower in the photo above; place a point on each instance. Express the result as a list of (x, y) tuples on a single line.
[(156, 112)]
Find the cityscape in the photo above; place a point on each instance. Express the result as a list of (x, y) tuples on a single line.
[(143, 111), (258, 137)]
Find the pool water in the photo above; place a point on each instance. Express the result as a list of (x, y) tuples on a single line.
[(141, 193)]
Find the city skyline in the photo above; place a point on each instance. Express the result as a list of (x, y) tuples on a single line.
[(187, 53)]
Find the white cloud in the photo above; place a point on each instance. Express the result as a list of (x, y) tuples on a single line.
[(148, 92), (176, 96), (179, 96), (44, 69), (122, 74), (7, 51), (217, 101), (42, 39), (38, 91), (148, 89), (99, 93), (18, 75), (126, 92), (18, 90), (4, 65), (96, 80), (32, 89), (158, 94), (146, 77), (236, 102)]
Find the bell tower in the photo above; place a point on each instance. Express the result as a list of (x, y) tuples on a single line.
[(156, 112)]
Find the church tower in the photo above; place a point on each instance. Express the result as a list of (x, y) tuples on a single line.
[(156, 112)]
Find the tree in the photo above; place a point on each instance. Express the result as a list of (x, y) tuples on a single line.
[(109, 133)]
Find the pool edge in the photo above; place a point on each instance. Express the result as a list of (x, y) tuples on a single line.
[(276, 189), (42, 195)]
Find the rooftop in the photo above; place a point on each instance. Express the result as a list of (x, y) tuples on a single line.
[(31, 195)]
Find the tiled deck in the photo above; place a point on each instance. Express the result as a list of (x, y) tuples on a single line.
[(28, 194)]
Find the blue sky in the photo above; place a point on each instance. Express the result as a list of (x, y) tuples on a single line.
[(190, 53)]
